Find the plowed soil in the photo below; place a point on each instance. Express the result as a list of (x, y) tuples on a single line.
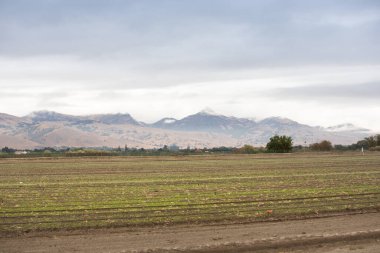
[(359, 233)]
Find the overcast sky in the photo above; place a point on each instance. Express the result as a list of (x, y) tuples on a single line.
[(316, 62)]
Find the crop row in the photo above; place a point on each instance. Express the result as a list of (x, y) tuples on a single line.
[(81, 193)]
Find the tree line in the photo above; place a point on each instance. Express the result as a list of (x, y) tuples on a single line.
[(276, 144)]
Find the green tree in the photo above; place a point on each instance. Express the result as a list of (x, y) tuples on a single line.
[(280, 144), (371, 141), (362, 143), (8, 150)]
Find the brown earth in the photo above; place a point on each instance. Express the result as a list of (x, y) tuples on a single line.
[(359, 233)]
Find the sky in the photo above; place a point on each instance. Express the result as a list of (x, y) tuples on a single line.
[(316, 62)]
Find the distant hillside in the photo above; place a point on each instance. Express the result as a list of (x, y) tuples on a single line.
[(208, 122), (203, 129)]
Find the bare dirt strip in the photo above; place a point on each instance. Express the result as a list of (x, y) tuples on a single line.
[(358, 233)]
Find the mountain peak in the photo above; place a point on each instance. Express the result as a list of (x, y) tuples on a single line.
[(41, 113), (45, 115), (208, 111), (278, 120), (118, 118), (50, 116), (346, 127)]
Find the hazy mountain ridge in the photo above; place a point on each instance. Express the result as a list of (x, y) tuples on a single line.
[(206, 122), (346, 127), (203, 129)]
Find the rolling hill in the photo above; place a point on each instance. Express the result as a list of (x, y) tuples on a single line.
[(203, 129)]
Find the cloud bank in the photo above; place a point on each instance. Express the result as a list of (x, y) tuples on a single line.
[(316, 62)]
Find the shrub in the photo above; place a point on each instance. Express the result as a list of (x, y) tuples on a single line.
[(322, 146)]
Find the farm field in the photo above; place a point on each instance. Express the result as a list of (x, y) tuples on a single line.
[(100, 192)]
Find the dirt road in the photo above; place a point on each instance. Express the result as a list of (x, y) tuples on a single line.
[(358, 233)]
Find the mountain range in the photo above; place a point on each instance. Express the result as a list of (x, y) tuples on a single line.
[(203, 129)]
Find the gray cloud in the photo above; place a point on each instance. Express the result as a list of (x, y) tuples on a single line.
[(365, 92), (14, 94), (179, 42), (100, 55), (178, 34)]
